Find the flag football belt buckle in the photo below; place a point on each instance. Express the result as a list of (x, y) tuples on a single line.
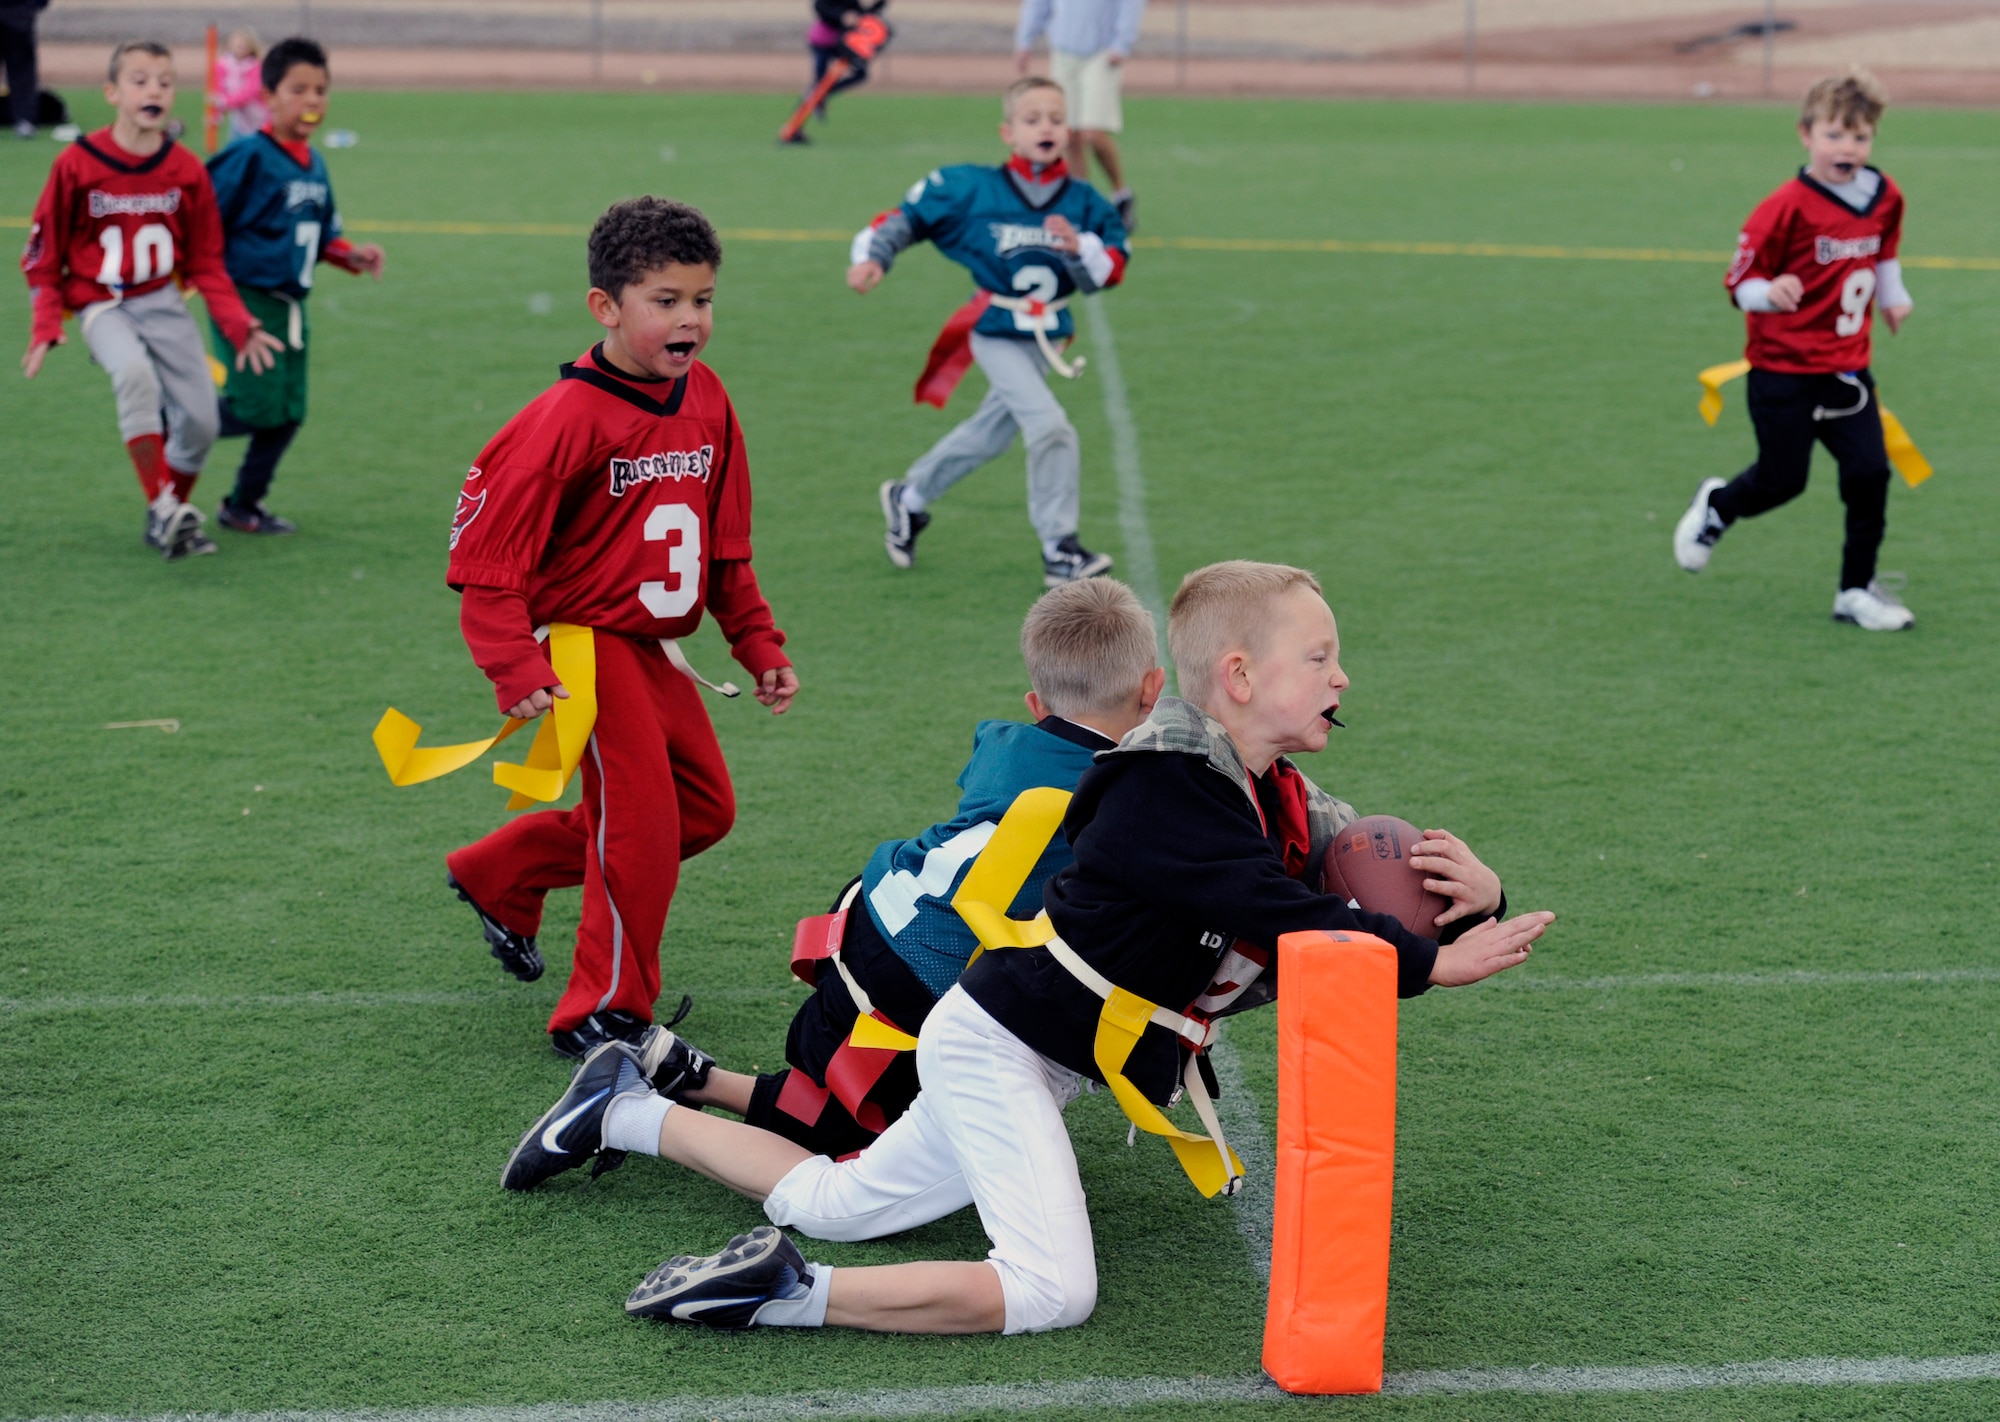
[(1037, 311)]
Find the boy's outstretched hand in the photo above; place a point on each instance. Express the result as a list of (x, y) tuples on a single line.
[(1490, 948), (260, 352), (31, 363), (864, 277), (776, 688), (1455, 871)]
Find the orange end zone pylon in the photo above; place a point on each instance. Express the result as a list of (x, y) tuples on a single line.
[(209, 115), (1336, 1163), (836, 71)]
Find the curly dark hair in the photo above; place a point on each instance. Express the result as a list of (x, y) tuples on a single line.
[(643, 234), (285, 56)]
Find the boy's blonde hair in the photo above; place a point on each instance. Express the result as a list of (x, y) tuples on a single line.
[(1022, 86), (152, 47), (1088, 645), (1223, 608), (1854, 99)]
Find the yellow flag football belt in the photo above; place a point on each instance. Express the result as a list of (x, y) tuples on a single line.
[(1902, 450), (996, 877), (558, 745)]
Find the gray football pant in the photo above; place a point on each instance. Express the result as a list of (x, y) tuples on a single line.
[(1018, 398), (150, 347)]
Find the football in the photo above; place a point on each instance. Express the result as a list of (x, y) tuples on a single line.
[(1368, 864)]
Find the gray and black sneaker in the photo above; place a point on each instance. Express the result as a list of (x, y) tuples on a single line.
[(168, 522), (725, 1290), (1128, 209), (255, 519), (572, 1131), (516, 951), (607, 1025), (903, 526), (1073, 563), (673, 1064)]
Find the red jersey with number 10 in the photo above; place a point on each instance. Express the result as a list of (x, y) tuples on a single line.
[(114, 224), (1804, 230), (607, 499)]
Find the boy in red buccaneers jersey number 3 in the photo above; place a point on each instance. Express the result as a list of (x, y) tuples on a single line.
[(618, 500), (1813, 259)]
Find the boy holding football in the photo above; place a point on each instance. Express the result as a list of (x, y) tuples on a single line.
[(279, 223), (1034, 238), (1197, 845), (1814, 260), (126, 218), (896, 944), (619, 501)]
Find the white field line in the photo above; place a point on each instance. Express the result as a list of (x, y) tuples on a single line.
[(1771, 978), (304, 1001), (1141, 572), (1114, 1393), (307, 1001), (1242, 1120)]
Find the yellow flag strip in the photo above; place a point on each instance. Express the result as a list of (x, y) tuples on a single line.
[(874, 1032), (1903, 453), (552, 759), (996, 877)]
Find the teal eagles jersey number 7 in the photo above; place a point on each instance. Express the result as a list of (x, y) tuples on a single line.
[(277, 217)]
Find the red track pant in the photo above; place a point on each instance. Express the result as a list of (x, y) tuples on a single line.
[(655, 792)]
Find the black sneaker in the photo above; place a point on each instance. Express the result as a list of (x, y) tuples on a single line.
[(255, 519), (572, 1131), (594, 1031), (725, 1290), (195, 544), (1073, 563), (1128, 209), (903, 526), (516, 951), (673, 1064)]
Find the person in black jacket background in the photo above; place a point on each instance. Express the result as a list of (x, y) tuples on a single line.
[(17, 54)]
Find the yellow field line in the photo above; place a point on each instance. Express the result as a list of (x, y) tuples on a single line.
[(1175, 244)]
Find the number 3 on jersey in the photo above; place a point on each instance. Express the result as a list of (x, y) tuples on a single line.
[(1855, 294), (683, 561)]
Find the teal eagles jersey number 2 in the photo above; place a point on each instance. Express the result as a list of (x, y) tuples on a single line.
[(976, 216), (277, 217)]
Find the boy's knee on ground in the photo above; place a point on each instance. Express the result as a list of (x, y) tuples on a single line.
[(1049, 1293)]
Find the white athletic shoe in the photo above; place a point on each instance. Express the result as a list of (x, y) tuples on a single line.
[(1873, 609), (1699, 528)]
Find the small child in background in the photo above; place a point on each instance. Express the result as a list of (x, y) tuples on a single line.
[(127, 219), (830, 21), (279, 223), (236, 88), (1813, 263), (1033, 237)]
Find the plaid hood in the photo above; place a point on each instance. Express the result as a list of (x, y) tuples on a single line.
[(1180, 727)]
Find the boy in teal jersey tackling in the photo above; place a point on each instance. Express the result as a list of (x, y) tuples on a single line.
[(1033, 238), (898, 945), (279, 222)]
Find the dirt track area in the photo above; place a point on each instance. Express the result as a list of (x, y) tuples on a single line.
[(1928, 51)]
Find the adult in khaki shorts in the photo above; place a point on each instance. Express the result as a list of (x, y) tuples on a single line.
[(1088, 42)]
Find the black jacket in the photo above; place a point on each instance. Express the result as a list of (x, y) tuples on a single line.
[(1172, 865)]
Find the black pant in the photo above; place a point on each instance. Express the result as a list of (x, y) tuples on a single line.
[(1789, 413), (821, 1026), (17, 54)]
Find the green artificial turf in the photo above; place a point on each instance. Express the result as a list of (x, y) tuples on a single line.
[(221, 1192)]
